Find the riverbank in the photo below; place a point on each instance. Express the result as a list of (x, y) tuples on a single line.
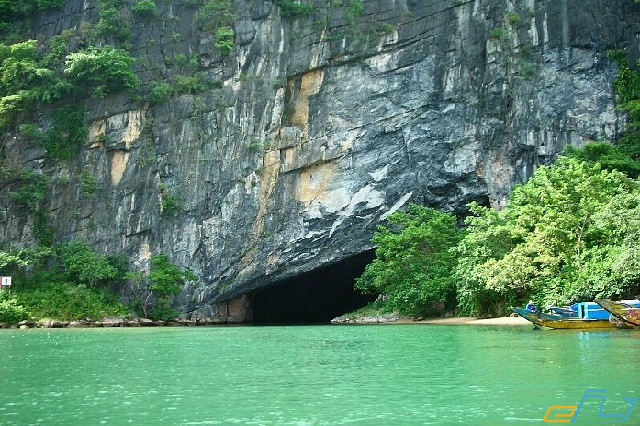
[(392, 318), (106, 322)]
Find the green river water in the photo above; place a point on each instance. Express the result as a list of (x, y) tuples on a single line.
[(391, 374)]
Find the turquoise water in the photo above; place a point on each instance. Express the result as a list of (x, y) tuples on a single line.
[(393, 374)]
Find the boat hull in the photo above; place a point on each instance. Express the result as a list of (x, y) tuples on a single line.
[(545, 320), (623, 311)]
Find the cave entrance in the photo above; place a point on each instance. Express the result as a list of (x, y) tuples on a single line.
[(314, 297)]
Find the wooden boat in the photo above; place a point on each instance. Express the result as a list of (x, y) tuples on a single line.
[(590, 315), (626, 310)]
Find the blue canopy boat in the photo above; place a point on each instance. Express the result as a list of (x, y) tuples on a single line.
[(579, 315)]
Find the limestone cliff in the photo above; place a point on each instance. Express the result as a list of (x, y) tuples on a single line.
[(320, 125)]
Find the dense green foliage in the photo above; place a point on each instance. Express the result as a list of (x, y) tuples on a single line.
[(144, 7), (15, 14), (625, 155), (622, 157), (414, 262), (223, 39), (166, 278), (569, 234), (25, 81), (68, 301), (217, 17), (105, 69), (10, 310), (70, 281), (153, 293), (31, 191), (113, 25), (292, 8), (549, 243), (80, 263)]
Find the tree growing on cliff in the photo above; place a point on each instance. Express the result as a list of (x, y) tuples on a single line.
[(414, 262), (104, 69), (153, 292)]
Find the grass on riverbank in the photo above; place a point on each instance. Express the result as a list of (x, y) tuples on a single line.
[(62, 301), (67, 302)]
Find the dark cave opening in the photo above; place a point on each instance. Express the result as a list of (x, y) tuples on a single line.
[(315, 297)]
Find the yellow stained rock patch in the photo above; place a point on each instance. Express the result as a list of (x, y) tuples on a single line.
[(129, 125), (270, 171), (310, 85), (118, 165), (313, 182), (145, 251), (134, 127), (97, 132)]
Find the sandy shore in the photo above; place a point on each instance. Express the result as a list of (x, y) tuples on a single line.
[(396, 319), (476, 321)]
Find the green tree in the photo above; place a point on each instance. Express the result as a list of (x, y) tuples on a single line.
[(546, 244), (105, 69), (82, 265), (164, 280), (25, 81), (223, 39), (414, 262), (11, 311), (624, 157)]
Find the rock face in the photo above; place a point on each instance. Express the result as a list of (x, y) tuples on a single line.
[(320, 126)]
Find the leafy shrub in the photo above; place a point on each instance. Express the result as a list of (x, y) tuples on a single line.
[(165, 277), (164, 280), (159, 92), (24, 80), (162, 312), (292, 8), (13, 10), (256, 145), (355, 9), (50, 4), (82, 265), (66, 301), (192, 84), (105, 69), (60, 283), (499, 33), (68, 133), (224, 39), (10, 310), (611, 157), (512, 17), (88, 183), (170, 205), (32, 191), (42, 231), (144, 7), (215, 14), (547, 244), (112, 23)]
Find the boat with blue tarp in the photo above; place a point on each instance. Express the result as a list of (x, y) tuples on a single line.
[(582, 315)]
